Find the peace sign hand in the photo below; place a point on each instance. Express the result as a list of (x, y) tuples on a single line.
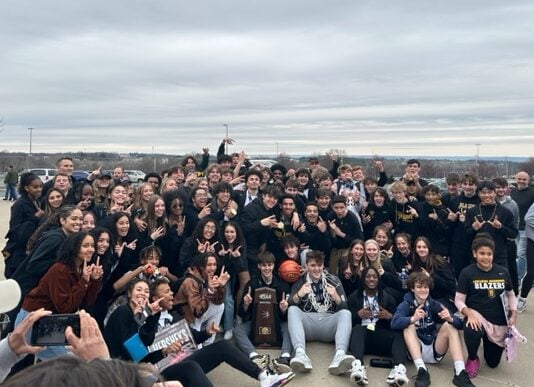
[(236, 253), (97, 272), (224, 277), (86, 271)]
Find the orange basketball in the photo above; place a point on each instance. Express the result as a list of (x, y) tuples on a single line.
[(289, 271)]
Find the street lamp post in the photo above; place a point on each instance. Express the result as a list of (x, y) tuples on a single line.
[(31, 133), (478, 159), (226, 143)]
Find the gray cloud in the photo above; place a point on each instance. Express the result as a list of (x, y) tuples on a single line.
[(383, 77)]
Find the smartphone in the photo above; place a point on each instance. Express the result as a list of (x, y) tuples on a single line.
[(50, 330)]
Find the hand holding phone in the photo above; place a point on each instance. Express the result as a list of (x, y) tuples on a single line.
[(50, 330)]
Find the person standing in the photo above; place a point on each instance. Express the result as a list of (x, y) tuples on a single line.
[(523, 195), (11, 180)]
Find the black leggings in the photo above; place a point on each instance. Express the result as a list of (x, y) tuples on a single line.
[(187, 372), (211, 356), (529, 278), (381, 342), (511, 256), (492, 352)]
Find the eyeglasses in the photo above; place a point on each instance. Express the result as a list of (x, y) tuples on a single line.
[(210, 228), (176, 206)]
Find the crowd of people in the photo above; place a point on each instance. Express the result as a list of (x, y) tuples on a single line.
[(386, 268)]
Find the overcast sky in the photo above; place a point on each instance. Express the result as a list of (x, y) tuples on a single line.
[(370, 77)]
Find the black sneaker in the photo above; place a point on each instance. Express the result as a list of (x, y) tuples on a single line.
[(462, 380), (422, 379), (281, 365)]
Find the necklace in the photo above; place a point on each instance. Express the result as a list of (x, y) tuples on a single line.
[(492, 215)]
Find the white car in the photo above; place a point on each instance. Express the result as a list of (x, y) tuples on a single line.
[(135, 176), (44, 174)]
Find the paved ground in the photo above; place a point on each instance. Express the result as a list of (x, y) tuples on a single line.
[(518, 373)]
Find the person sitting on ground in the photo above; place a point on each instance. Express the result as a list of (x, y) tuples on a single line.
[(372, 310), (201, 294), (318, 312), (247, 312), (429, 331)]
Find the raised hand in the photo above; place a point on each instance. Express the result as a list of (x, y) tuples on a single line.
[(119, 248), (418, 314), (224, 277), (158, 233), (283, 304), (321, 224), (97, 271), (270, 221), (247, 300), (236, 253), (452, 216), (477, 224), (86, 271), (304, 290), (496, 223), (155, 307), (202, 247), (132, 245), (444, 314)]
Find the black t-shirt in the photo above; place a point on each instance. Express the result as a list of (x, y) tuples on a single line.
[(483, 290)]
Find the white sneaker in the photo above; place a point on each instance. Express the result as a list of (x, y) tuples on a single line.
[(273, 380), (228, 335), (521, 304), (358, 374), (341, 364), (301, 362), (397, 376)]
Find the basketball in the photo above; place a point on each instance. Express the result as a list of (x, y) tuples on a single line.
[(289, 271)]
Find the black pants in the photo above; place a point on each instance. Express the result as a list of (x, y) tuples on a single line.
[(492, 352), (187, 372), (529, 277), (211, 356), (381, 342), (511, 256)]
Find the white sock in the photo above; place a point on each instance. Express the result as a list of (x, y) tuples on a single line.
[(340, 352), (419, 363), (300, 350), (459, 366), (285, 354), (252, 354)]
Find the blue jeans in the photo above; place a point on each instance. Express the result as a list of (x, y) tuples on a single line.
[(521, 242), (229, 306), (11, 192)]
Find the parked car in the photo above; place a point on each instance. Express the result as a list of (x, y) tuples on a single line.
[(79, 175), (44, 174), (135, 176)]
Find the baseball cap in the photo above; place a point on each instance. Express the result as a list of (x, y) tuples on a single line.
[(105, 175), (9, 295)]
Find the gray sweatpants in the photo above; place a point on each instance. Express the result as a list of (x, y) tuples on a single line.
[(324, 327)]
